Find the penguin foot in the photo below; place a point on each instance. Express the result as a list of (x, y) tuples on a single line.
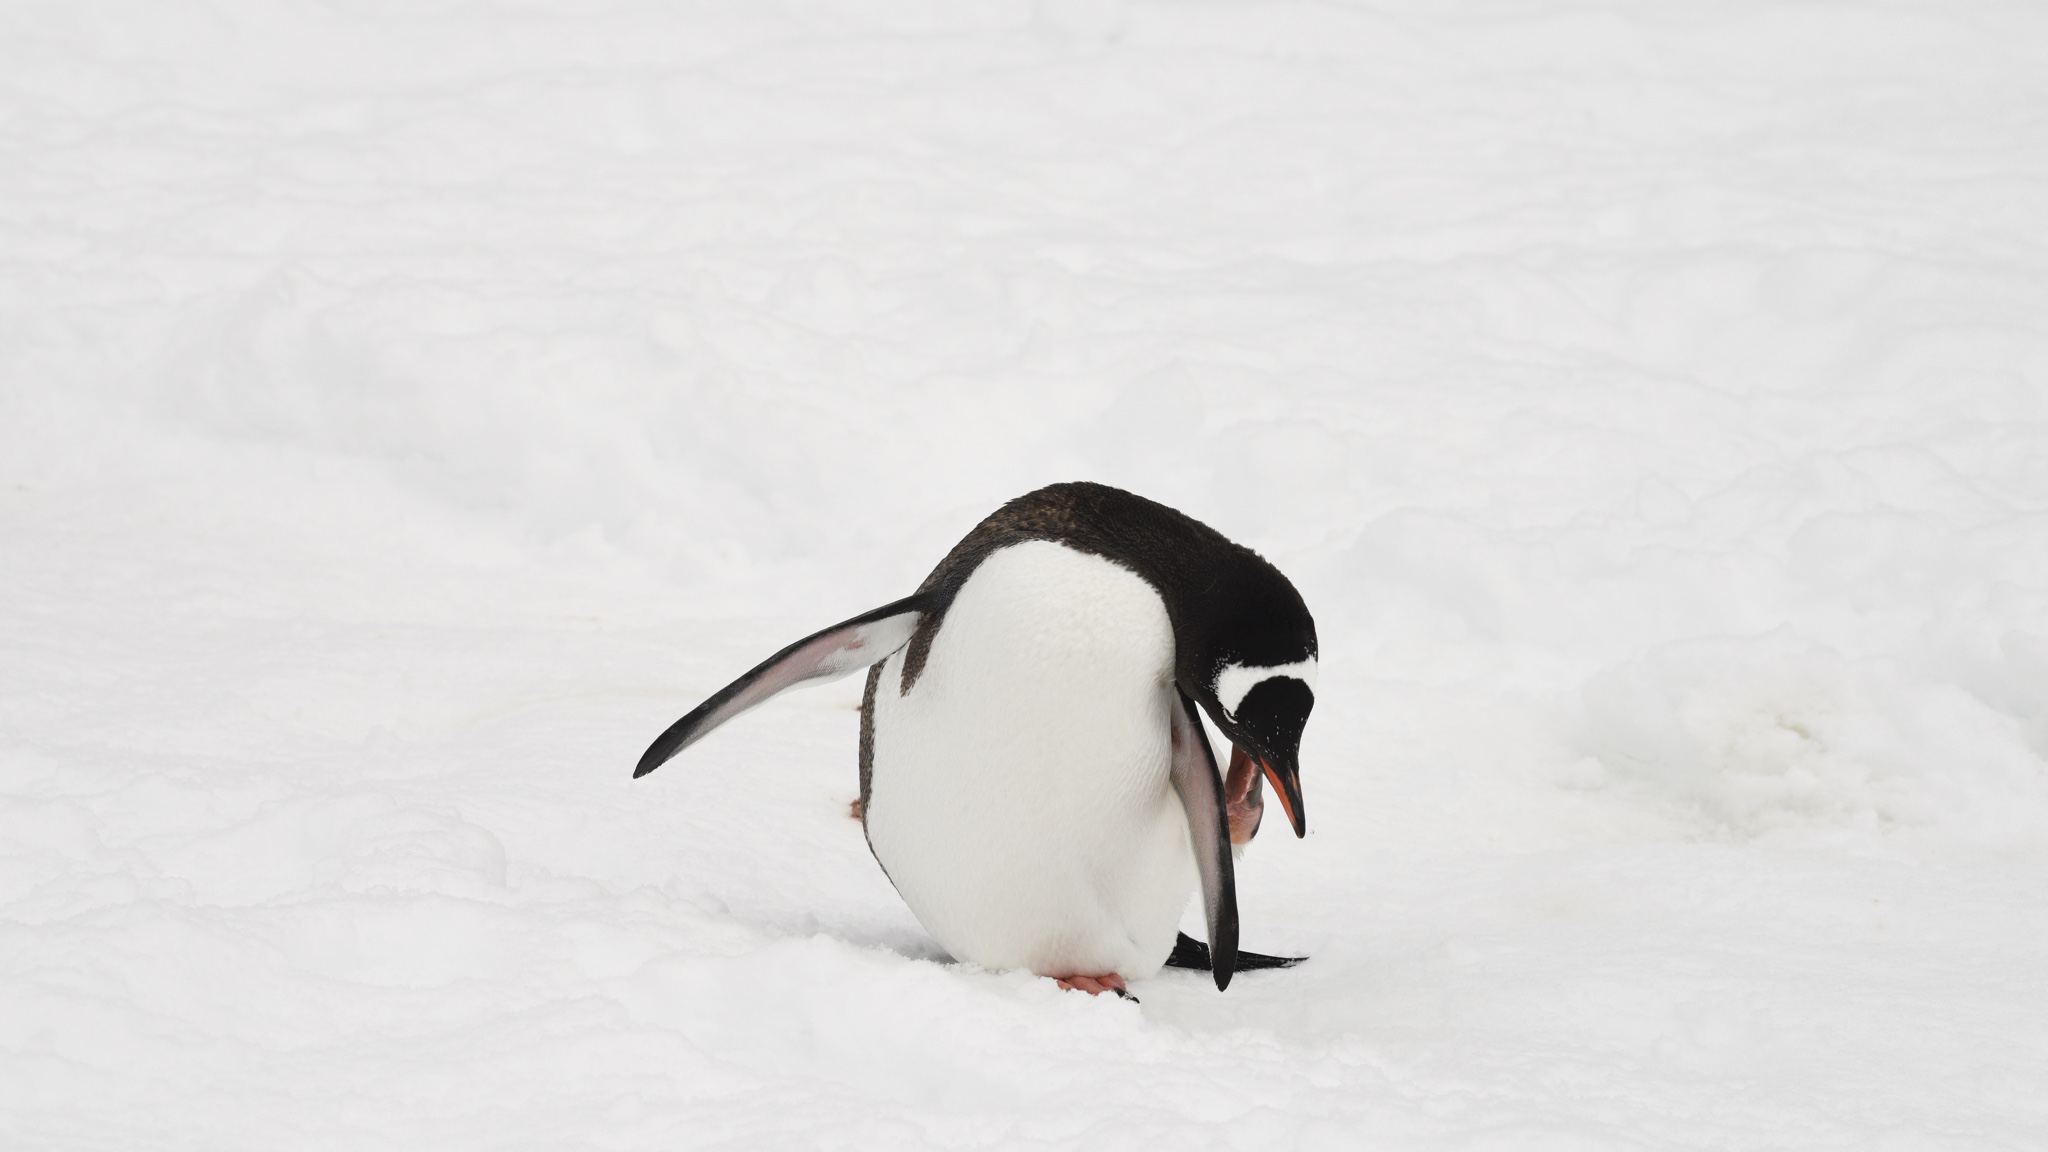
[(854, 809), (1096, 985), (1189, 952)]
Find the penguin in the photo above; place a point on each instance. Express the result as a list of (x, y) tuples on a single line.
[(1035, 779)]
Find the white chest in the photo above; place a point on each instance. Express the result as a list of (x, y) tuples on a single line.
[(1020, 797)]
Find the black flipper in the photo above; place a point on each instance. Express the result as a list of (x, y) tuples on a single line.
[(1201, 792), (1189, 952), (869, 638)]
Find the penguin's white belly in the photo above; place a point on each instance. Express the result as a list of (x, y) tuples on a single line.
[(1020, 796)]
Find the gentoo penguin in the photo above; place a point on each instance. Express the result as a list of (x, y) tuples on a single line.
[(1034, 775)]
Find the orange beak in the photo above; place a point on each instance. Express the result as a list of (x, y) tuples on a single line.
[(1287, 785), (1245, 800)]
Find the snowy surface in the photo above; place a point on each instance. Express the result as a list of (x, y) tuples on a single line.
[(408, 409)]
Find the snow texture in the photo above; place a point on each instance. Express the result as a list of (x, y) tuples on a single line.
[(409, 410)]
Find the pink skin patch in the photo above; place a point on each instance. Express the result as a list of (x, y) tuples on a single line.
[(1244, 796), (1094, 985)]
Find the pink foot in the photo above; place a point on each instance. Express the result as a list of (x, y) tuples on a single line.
[(1095, 985)]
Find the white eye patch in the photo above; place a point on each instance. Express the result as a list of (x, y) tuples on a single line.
[(1236, 681)]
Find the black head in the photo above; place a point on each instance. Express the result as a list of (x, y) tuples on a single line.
[(1247, 655)]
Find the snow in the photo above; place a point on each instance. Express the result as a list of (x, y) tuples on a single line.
[(408, 410)]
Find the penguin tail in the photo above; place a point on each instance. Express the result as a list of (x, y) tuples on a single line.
[(1189, 952)]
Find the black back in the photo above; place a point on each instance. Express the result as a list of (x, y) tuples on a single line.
[(1225, 601)]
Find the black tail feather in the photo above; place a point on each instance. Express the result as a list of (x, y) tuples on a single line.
[(1189, 952)]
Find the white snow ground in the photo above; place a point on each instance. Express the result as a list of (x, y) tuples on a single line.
[(407, 410)]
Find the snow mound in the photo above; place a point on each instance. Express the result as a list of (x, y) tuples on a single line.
[(1778, 733)]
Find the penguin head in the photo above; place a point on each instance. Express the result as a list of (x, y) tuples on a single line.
[(1253, 670)]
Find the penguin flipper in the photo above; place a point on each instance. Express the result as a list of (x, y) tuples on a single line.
[(1201, 792), (1189, 952), (849, 646)]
